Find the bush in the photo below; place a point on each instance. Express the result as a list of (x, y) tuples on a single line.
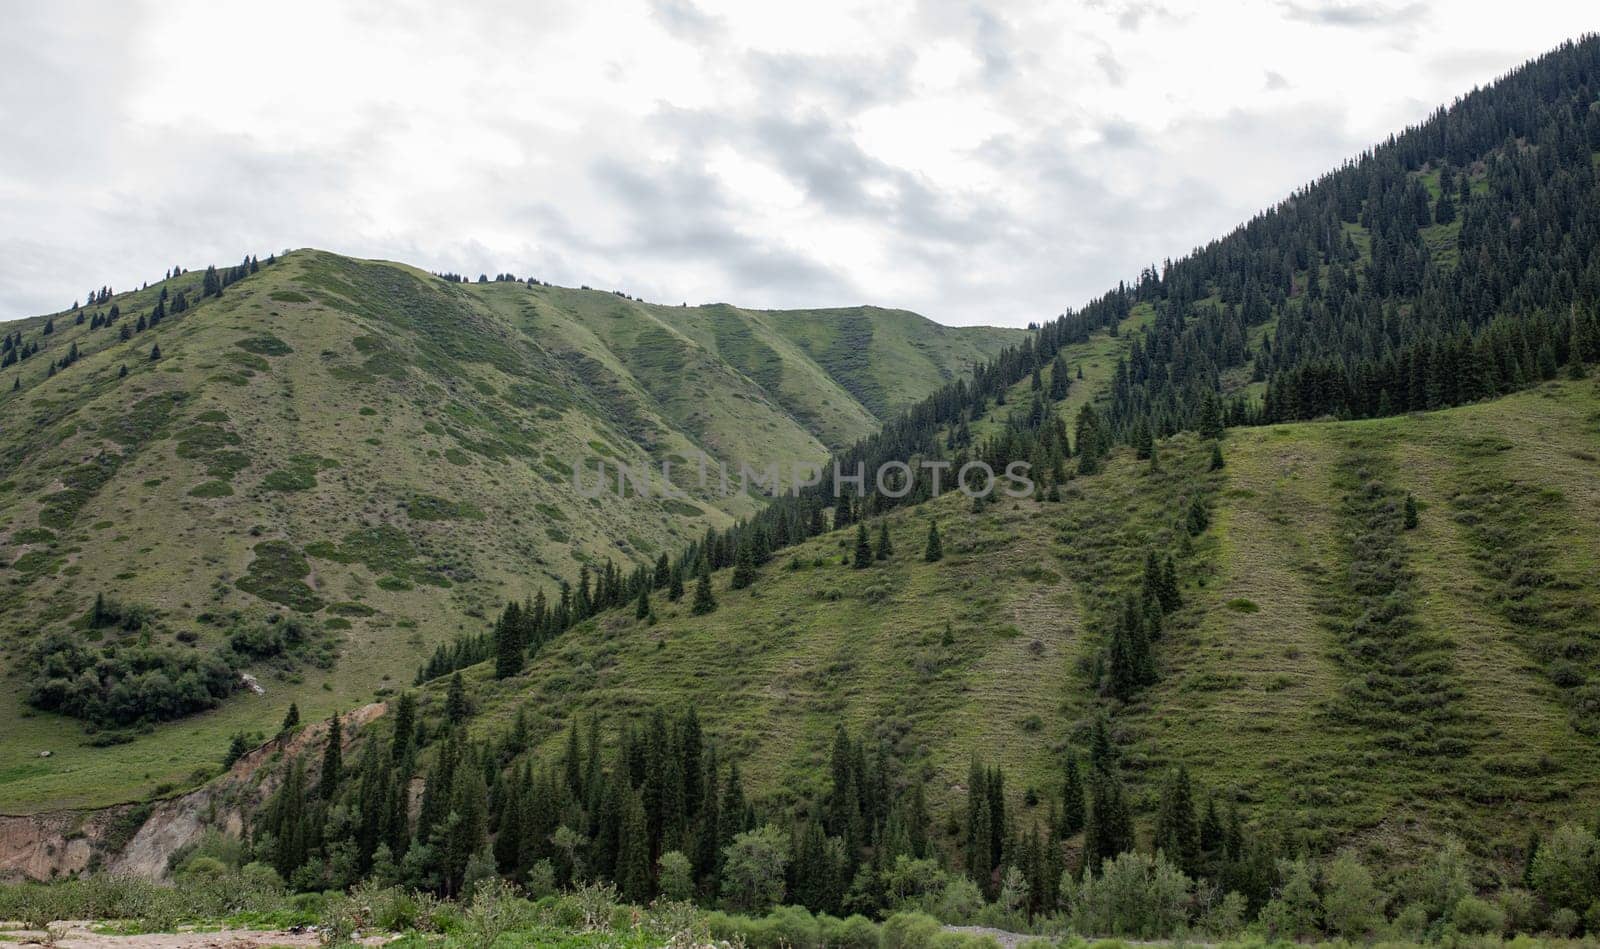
[(1563, 922), (1135, 895), (675, 877), (1566, 869), (117, 685), (852, 932), (1477, 917), (753, 869), (908, 931)]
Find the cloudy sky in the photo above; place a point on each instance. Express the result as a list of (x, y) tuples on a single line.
[(978, 163)]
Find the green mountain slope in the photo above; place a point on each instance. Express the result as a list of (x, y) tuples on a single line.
[(1264, 691), (380, 452)]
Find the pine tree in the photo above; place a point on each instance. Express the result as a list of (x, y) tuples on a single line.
[(1108, 829), (291, 719), (934, 551), (508, 645), (405, 726), (863, 558), (1198, 518), (332, 759), (633, 851), (238, 747), (1176, 831), (675, 586), (641, 609), (885, 547), (1141, 439), (1209, 423), (744, 567), (1411, 512), (704, 602), (1216, 456), (155, 352), (1071, 797), (455, 701)]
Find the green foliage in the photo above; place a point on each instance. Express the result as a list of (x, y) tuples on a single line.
[(277, 574), (123, 685)]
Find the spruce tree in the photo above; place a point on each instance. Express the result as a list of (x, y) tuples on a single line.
[(704, 602), (332, 759), (238, 747), (1216, 456), (405, 726), (508, 644), (455, 700), (633, 851), (291, 719), (675, 585), (934, 551), (155, 352), (1108, 828), (1411, 512), (641, 609), (1072, 802), (1176, 831), (744, 566), (863, 548), (885, 548), (1198, 518)]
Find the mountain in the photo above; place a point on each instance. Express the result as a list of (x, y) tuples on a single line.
[(385, 454), (1311, 563)]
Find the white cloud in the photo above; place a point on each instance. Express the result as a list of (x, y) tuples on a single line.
[(977, 165)]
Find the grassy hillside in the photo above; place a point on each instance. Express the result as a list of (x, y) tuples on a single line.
[(1477, 716), (379, 452)]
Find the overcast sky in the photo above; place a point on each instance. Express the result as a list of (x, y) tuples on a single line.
[(978, 163)]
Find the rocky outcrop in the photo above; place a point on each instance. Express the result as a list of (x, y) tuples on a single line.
[(139, 839)]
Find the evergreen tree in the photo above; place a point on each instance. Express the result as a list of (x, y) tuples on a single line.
[(455, 701), (1108, 830), (633, 851), (863, 558), (744, 567), (1216, 456), (155, 352), (332, 759), (1198, 517), (1176, 831), (291, 719), (704, 602), (675, 586), (405, 726), (508, 651), (1411, 512), (934, 551), (641, 608), (238, 747), (885, 548), (1072, 803)]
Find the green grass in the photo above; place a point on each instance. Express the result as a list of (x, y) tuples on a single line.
[(1446, 722), (453, 413)]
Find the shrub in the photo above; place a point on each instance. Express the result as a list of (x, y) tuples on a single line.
[(1476, 916), (123, 685), (1563, 922), (1351, 903), (753, 869), (1566, 868), (908, 931), (1135, 895), (675, 877), (853, 932)]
